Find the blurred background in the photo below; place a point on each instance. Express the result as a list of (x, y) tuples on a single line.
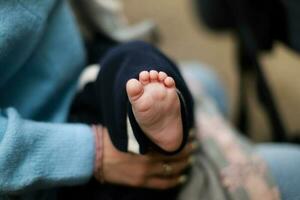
[(182, 35), (185, 37)]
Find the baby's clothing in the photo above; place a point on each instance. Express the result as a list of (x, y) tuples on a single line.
[(118, 66)]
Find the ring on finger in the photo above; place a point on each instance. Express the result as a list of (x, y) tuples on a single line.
[(167, 169)]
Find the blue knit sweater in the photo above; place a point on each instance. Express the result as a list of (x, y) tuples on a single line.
[(41, 57)]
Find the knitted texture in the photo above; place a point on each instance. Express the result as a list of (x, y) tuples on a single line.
[(41, 58)]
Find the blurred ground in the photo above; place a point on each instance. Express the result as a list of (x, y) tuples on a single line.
[(183, 38)]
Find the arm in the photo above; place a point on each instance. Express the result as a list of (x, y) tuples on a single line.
[(35, 155)]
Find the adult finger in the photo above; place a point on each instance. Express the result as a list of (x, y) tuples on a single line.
[(164, 183), (166, 169), (188, 150)]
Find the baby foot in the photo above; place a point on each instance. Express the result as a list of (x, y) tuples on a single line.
[(156, 108)]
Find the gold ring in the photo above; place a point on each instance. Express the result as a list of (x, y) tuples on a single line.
[(167, 169)]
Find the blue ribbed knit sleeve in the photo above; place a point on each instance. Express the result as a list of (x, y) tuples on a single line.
[(35, 155)]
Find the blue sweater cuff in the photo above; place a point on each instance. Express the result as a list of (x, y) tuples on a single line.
[(37, 155)]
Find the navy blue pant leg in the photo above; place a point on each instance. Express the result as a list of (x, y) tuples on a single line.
[(118, 66)]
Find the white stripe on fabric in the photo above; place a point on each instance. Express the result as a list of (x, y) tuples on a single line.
[(133, 145)]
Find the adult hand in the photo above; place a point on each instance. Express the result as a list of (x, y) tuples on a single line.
[(152, 170)]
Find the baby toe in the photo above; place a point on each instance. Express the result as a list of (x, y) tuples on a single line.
[(153, 75), (134, 89), (169, 82), (144, 77), (162, 76)]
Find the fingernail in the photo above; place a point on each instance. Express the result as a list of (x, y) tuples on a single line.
[(182, 179), (192, 160)]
